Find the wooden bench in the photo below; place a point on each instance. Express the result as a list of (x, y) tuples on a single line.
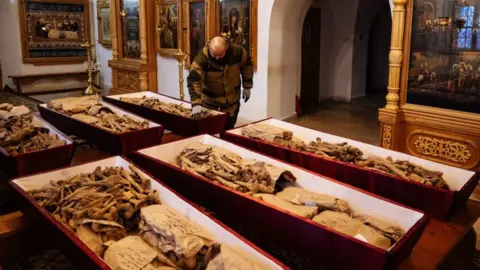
[(49, 83)]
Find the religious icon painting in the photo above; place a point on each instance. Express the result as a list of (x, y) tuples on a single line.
[(444, 70), (130, 27), (53, 31), (103, 17), (198, 24), (238, 23), (169, 26)]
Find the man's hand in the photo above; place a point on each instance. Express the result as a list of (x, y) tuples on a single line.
[(246, 94), (197, 112)]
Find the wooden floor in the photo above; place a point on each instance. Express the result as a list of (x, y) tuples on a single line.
[(442, 243)]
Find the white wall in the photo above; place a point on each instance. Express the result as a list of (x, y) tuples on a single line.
[(284, 58), (367, 9), (336, 49), (342, 67), (103, 54), (379, 43), (277, 79), (168, 77), (11, 48), (256, 107)]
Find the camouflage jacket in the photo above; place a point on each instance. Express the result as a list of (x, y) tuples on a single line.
[(219, 85)]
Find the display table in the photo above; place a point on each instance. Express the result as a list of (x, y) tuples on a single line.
[(437, 244)]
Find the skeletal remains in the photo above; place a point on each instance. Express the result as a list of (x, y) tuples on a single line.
[(156, 104), (276, 186), (346, 153), (90, 110), (116, 214), (19, 135)]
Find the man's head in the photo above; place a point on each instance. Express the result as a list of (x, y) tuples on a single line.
[(218, 48)]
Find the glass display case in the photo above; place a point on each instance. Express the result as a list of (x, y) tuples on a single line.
[(130, 28), (133, 48), (444, 66), (433, 100)]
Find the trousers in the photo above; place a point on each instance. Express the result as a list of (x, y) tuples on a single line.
[(231, 111)]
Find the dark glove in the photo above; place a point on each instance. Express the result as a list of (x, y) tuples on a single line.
[(246, 94)]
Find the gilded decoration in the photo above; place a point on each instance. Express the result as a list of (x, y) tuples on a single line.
[(123, 65), (387, 136), (434, 81), (444, 149), (128, 80), (104, 27), (53, 31)]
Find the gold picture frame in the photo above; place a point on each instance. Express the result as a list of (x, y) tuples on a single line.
[(435, 133), (223, 14), (52, 31), (169, 24), (104, 24), (198, 20)]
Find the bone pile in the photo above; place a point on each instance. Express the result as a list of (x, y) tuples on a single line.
[(18, 135), (275, 186), (231, 170), (90, 110), (116, 214), (156, 104), (107, 200), (346, 153)]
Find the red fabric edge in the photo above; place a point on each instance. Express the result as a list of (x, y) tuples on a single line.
[(274, 207), (92, 254), (328, 178), (107, 131), (108, 99)]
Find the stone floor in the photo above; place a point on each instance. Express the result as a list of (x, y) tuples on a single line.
[(357, 120)]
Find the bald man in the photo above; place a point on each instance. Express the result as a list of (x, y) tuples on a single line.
[(214, 80)]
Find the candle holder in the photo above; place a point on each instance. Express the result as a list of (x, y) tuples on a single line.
[(180, 56), (91, 88)]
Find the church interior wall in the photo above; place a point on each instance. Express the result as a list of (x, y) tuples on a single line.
[(341, 65), (284, 59), (256, 107), (336, 49), (277, 79), (103, 54), (11, 49), (377, 75), (367, 9)]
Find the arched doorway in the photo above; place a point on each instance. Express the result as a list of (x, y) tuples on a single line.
[(378, 50), (339, 78), (311, 44)]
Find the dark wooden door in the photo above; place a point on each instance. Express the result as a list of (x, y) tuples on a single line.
[(310, 80), (378, 51)]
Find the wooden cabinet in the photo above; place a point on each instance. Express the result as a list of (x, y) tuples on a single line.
[(134, 66), (433, 101)]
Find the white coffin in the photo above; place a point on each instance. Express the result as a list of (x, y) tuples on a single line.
[(437, 201), (411, 221), (222, 233)]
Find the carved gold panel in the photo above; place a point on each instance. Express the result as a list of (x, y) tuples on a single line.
[(444, 134), (453, 150), (387, 136), (128, 80)]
